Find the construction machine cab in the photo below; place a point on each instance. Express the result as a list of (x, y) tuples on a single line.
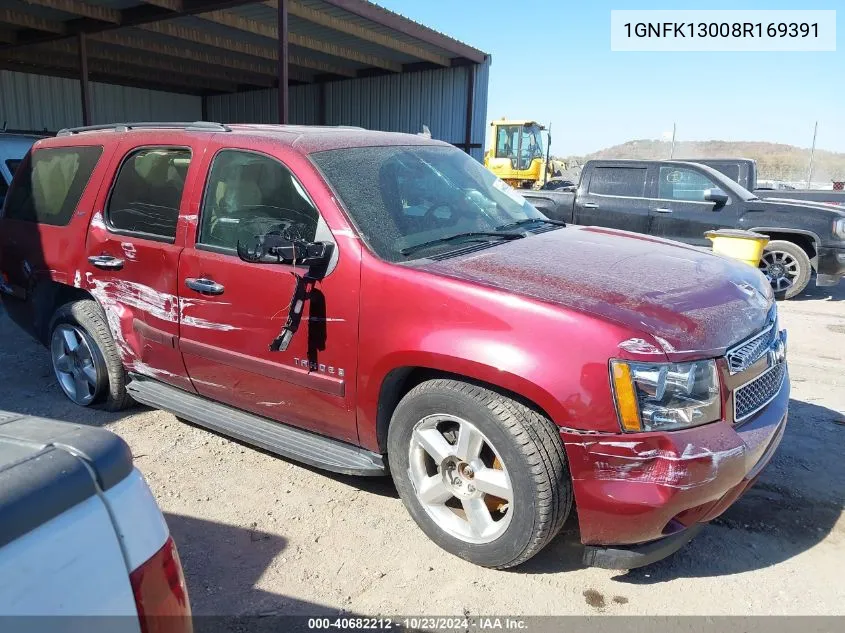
[(517, 154)]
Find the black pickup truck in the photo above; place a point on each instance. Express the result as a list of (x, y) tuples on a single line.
[(681, 201)]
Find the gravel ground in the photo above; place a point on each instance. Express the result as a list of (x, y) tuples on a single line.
[(260, 535)]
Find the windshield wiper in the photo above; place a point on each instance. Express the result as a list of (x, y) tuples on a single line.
[(468, 236), (511, 225)]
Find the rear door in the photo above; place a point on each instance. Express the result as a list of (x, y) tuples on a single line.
[(615, 196), (232, 310), (133, 248), (679, 209)]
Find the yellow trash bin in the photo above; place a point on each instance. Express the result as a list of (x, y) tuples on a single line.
[(745, 246)]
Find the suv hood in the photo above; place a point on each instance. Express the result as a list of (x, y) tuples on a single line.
[(689, 300)]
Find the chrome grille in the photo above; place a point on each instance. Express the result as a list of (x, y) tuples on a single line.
[(755, 395), (750, 351)]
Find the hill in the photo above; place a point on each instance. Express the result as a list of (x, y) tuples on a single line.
[(774, 160)]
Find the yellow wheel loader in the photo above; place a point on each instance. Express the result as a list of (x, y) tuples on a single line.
[(517, 154)]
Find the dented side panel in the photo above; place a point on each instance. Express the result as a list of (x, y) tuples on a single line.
[(141, 298)]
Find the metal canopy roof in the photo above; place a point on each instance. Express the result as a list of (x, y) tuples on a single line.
[(218, 46)]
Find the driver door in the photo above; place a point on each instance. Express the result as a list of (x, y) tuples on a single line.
[(232, 310), (680, 212)]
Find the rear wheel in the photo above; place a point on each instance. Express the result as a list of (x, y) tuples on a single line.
[(484, 476), (85, 359), (787, 267)]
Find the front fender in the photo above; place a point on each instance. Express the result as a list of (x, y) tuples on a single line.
[(501, 375)]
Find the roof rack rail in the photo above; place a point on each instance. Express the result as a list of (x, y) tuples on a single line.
[(205, 126)]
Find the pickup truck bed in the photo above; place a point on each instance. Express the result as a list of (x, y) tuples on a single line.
[(76, 520)]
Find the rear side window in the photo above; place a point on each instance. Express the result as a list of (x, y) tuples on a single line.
[(147, 193), (248, 194), (51, 183), (619, 181), (729, 170)]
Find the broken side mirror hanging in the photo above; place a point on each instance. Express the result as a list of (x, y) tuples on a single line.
[(275, 248)]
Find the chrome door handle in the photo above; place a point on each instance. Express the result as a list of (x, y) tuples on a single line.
[(663, 210), (590, 205), (204, 286), (106, 262)]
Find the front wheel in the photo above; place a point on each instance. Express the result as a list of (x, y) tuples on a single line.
[(787, 267), (484, 476)]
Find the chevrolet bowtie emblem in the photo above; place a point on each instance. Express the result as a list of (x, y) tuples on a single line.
[(777, 350)]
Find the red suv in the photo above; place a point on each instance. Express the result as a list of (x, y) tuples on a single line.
[(347, 298)]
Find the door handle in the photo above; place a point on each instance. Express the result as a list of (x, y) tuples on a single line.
[(204, 286), (590, 205), (663, 210), (106, 262)]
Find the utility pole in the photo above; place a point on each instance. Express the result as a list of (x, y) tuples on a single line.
[(812, 156), (672, 149)]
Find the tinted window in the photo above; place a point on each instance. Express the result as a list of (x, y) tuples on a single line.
[(248, 194), (51, 183), (619, 181), (678, 183), (409, 195), (13, 165), (148, 191)]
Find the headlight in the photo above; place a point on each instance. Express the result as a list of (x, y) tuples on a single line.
[(839, 228), (665, 396)]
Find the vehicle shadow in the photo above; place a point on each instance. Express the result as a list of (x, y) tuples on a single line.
[(825, 293), (223, 565), (28, 385)]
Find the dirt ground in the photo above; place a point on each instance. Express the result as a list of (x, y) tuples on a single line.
[(259, 535)]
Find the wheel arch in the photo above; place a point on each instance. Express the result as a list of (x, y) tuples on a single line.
[(807, 240), (400, 380), (45, 297)]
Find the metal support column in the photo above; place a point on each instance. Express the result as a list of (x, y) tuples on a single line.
[(321, 114), (85, 88), (283, 61), (470, 107)]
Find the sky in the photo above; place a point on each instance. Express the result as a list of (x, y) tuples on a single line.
[(552, 62)]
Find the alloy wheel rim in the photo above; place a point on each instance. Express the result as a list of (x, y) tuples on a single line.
[(780, 268), (73, 363), (460, 479)]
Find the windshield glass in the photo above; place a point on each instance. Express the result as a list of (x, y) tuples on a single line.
[(401, 196)]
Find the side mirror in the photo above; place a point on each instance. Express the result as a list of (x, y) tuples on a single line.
[(272, 248), (719, 197)]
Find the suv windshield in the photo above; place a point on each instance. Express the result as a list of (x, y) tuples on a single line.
[(402, 196)]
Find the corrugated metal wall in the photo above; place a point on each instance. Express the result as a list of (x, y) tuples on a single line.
[(36, 102), (400, 103)]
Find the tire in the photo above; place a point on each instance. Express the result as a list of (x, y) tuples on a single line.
[(517, 447), (790, 265), (107, 377)]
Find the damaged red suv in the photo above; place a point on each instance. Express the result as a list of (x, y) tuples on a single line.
[(353, 299)]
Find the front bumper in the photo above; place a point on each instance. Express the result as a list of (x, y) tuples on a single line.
[(634, 489), (830, 265)]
